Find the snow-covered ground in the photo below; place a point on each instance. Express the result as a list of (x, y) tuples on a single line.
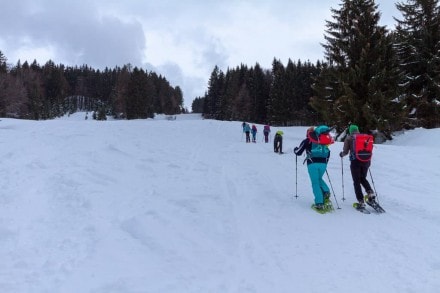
[(188, 206)]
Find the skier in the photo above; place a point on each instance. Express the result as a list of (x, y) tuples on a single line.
[(247, 130), (359, 169), (254, 133), (266, 132), (278, 142), (316, 166)]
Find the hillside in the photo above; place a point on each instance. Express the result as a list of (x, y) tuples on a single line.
[(188, 206)]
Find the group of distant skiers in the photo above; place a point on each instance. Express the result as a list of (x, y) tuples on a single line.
[(277, 141), (316, 146)]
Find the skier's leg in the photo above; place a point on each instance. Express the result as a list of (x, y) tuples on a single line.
[(322, 184), (314, 175), (364, 181), (356, 175)]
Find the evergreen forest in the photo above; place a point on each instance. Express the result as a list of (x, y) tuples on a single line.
[(31, 91)]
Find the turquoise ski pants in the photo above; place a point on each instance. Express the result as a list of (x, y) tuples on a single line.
[(316, 171)]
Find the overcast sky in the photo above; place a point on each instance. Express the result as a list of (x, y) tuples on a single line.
[(180, 39)]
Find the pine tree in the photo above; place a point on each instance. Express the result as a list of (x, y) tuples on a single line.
[(360, 83), (232, 107), (220, 104), (56, 88), (299, 79), (138, 96), (197, 105), (177, 101), (213, 94), (259, 86), (120, 92), (33, 103), (279, 108), (418, 43), (3, 66)]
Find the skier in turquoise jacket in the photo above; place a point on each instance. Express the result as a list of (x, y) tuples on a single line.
[(247, 130), (254, 133), (316, 167)]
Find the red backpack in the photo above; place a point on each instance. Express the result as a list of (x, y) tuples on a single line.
[(363, 146), (322, 138)]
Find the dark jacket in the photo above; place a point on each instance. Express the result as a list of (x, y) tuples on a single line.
[(349, 147)]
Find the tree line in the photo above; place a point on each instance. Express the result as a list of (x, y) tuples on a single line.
[(382, 80), (261, 96), (31, 91)]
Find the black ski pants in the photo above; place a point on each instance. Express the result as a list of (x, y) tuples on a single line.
[(248, 136), (359, 171), (278, 144)]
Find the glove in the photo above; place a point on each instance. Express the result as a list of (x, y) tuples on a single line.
[(295, 150), (341, 154)]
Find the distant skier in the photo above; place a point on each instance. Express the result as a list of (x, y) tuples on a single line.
[(278, 142), (247, 130), (254, 133), (266, 132)]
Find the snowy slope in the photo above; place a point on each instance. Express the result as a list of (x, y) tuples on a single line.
[(188, 206)]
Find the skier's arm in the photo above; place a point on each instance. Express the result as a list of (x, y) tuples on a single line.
[(346, 148), (299, 150)]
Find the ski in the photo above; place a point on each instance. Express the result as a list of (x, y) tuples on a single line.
[(375, 205), (362, 210)]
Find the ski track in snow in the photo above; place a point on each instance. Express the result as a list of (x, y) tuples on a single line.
[(188, 206)]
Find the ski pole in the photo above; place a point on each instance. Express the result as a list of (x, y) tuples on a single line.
[(296, 176), (331, 185), (343, 193), (374, 186)]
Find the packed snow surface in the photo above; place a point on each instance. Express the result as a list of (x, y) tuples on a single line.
[(187, 206)]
